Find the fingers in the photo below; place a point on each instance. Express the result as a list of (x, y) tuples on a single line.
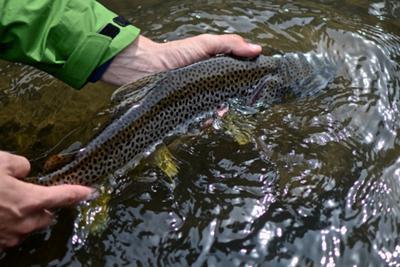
[(229, 44), (36, 221), (13, 165), (183, 52), (36, 198), (62, 195), (24, 206)]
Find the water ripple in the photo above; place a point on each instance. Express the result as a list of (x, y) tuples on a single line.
[(321, 171)]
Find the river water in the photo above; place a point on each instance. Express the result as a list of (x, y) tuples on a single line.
[(315, 183)]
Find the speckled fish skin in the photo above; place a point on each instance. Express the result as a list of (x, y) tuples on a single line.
[(175, 98)]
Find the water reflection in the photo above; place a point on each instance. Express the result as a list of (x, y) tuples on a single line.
[(317, 184), (385, 8)]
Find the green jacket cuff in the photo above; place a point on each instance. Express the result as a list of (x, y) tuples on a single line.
[(95, 49), (61, 37)]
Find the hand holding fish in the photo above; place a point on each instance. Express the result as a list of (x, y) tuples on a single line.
[(145, 57), (25, 207)]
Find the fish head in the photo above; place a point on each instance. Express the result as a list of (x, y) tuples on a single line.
[(295, 73)]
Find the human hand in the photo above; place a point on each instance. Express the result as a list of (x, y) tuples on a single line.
[(26, 207), (145, 57)]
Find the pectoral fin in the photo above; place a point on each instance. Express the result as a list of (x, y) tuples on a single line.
[(239, 128), (92, 219), (164, 160)]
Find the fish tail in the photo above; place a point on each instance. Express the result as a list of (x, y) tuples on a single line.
[(48, 180), (34, 180)]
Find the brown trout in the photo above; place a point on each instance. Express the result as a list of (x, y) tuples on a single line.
[(157, 105)]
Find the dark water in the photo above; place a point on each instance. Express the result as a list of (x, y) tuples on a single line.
[(318, 183)]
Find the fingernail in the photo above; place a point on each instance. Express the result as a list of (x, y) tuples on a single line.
[(52, 216), (93, 195), (255, 47)]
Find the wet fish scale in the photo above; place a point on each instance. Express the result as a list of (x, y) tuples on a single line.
[(175, 98)]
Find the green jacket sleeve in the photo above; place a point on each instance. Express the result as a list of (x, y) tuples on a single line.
[(61, 37)]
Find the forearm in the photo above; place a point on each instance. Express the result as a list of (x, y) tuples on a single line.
[(61, 37)]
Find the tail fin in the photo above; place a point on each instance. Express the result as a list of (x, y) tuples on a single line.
[(33, 180)]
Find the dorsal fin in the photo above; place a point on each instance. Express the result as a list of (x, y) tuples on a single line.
[(125, 96)]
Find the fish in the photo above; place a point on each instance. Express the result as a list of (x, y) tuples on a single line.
[(154, 107)]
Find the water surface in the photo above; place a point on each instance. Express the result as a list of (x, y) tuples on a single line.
[(318, 182)]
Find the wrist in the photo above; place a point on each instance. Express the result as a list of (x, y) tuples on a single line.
[(141, 58)]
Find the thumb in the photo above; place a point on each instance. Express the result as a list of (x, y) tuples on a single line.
[(14, 165), (60, 196)]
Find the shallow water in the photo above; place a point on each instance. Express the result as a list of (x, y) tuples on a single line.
[(318, 183)]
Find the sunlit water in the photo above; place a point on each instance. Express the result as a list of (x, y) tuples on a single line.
[(317, 182)]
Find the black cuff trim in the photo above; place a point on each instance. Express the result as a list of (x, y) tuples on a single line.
[(121, 21), (110, 30), (98, 72)]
